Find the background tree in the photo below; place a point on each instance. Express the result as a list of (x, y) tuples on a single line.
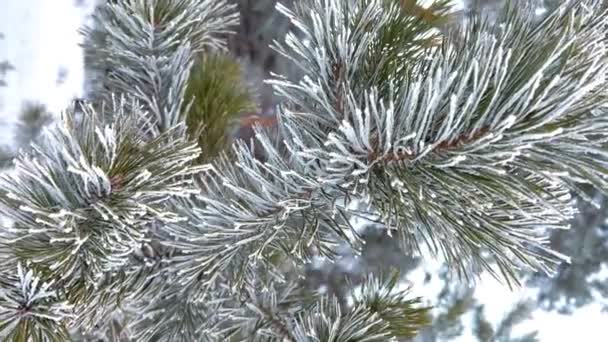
[(4, 67), (32, 119)]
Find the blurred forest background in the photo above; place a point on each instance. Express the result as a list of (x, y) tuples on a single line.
[(460, 313)]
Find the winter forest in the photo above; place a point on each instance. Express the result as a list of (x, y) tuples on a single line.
[(303, 170)]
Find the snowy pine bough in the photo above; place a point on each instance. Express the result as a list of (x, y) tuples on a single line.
[(467, 142)]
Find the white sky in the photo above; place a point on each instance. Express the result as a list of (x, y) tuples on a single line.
[(41, 36)]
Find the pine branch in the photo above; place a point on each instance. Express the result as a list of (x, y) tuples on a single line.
[(401, 155), (284, 311), (328, 322), (31, 308), (377, 41), (273, 199), (503, 99), (146, 49), (270, 309), (405, 316), (219, 97), (83, 198), (174, 318), (436, 14), (109, 205), (247, 210)]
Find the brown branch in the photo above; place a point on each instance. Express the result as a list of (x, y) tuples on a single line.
[(246, 130), (337, 70), (443, 147), (277, 323), (264, 121), (462, 140), (116, 183), (411, 7)]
